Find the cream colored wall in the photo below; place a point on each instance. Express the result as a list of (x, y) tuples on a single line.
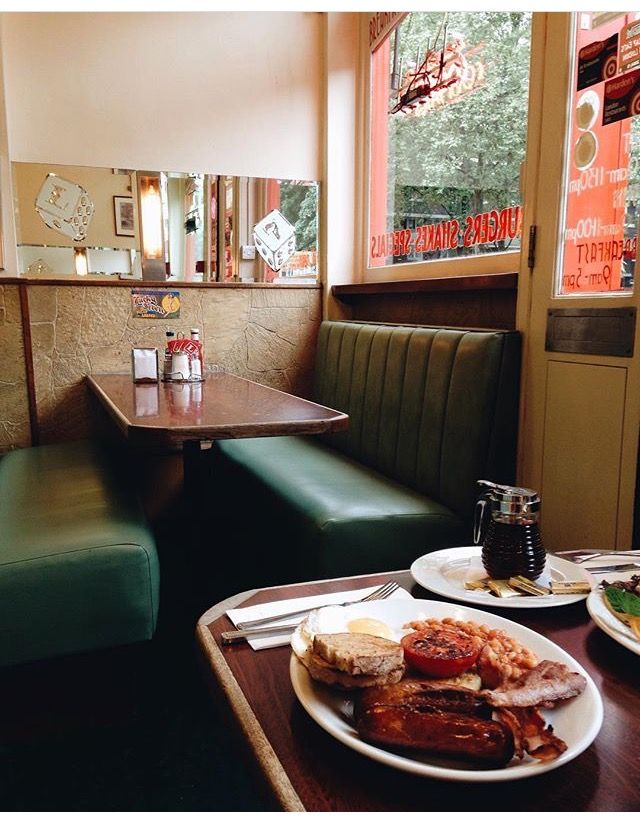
[(100, 183), (8, 256), (236, 93), (341, 206)]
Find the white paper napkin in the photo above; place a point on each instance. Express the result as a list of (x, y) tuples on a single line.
[(282, 606)]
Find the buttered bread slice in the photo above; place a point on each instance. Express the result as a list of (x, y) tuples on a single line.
[(357, 654)]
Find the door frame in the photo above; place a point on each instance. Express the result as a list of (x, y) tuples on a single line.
[(544, 179)]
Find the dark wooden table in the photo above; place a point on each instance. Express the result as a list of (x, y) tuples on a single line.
[(191, 415), (222, 406), (307, 769)]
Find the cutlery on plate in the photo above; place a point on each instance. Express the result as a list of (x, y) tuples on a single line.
[(247, 633), (377, 594), (618, 567), (582, 558)]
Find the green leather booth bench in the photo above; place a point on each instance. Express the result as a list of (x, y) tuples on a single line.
[(431, 411), (78, 563)]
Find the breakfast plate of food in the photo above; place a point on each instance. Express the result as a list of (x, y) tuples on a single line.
[(458, 574), (443, 691), (615, 608)]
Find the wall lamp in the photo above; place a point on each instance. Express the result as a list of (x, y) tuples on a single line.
[(151, 225), (80, 261)]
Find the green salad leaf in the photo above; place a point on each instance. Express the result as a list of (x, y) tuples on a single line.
[(623, 601)]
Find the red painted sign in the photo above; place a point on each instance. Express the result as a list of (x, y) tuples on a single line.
[(595, 244), (477, 229)]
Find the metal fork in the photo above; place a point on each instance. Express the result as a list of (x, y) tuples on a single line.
[(593, 555), (377, 594)]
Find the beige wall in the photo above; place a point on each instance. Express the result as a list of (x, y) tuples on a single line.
[(7, 222), (221, 92), (265, 334), (340, 216), (14, 407)]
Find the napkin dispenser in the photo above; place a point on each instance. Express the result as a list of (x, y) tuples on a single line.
[(144, 364)]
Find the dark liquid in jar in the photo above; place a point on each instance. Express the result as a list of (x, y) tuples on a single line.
[(509, 549)]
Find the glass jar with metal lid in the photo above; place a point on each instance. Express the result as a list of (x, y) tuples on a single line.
[(511, 542)]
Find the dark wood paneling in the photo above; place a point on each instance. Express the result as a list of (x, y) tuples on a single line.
[(463, 301), (494, 310), (445, 284)]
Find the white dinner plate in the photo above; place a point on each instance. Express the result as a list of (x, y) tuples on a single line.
[(444, 573), (577, 722), (603, 618)]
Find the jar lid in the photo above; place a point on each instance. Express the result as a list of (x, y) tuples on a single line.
[(511, 500)]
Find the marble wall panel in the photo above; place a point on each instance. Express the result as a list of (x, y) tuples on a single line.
[(15, 430), (268, 335)]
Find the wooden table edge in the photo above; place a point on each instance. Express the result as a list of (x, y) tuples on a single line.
[(274, 773), (118, 417), (148, 434), (264, 754)]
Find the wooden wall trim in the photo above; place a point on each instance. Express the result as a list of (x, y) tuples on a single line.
[(24, 281), (28, 363), (449, 284)]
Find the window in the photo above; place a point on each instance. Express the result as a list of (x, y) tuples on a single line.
[(602, 175), (448, 118)]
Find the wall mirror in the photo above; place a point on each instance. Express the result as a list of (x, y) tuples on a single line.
[(159, 225)]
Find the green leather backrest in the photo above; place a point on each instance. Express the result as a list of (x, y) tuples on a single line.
[(436, 409)]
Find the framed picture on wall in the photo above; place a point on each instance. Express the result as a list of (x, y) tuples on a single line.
[(123, 214)]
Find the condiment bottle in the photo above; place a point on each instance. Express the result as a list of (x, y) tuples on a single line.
[(511, 542), (197, 363), (168, 367)]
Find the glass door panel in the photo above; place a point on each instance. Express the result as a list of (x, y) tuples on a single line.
[(597, 247)]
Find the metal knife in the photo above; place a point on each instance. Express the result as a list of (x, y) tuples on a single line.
[(247, 633), (618, 567)]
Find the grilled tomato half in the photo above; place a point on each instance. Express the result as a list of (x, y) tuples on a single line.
[(440, 652)]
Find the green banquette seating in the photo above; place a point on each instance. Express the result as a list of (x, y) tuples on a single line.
[(431, 411), (78, 563)]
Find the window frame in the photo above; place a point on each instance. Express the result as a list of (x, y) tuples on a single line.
[(482, 264)]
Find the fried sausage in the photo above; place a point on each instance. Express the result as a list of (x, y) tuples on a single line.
[(424, 695), (446, 733)]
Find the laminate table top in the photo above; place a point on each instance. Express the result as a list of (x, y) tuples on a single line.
[(221, 406), (305, 768)]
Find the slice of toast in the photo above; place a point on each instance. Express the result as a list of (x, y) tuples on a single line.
[(359, 653), (320, 670)]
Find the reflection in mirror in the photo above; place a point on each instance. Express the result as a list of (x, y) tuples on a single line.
[(160, 225)]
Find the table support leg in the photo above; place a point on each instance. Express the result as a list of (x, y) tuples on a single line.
[(192, 470)]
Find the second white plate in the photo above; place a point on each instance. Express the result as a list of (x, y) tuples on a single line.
[(603, 618), (444, 573)]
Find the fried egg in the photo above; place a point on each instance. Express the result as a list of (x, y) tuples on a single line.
[(338, 620)]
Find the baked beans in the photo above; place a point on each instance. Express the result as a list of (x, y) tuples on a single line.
[(509, 658)]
